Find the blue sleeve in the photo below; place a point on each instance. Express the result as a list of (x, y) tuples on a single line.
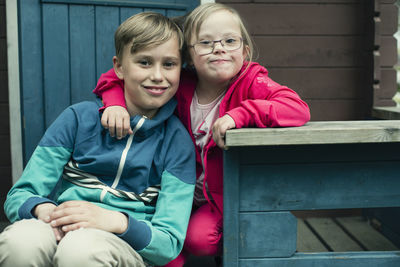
[(43, 170)]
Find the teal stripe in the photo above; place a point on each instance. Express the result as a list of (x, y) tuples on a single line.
[(38, 179), (169, 223)]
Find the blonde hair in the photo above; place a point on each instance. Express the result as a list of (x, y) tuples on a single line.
[(145, 30), (196, 18)]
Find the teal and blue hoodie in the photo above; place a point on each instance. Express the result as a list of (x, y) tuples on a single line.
[(149, 175)]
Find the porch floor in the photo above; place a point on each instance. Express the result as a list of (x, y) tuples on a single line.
[(322, 234)]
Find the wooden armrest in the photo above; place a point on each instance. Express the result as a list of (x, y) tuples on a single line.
[(330, 132)]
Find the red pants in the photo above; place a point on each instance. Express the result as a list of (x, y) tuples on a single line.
[(203, 237)]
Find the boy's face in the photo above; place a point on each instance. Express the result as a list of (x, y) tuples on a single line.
[(151, 76)]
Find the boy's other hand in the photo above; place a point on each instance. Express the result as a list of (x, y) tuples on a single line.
[(117, 120), (43, 212), (221, 125)]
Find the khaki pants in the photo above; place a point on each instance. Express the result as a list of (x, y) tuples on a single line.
[(32, 243)]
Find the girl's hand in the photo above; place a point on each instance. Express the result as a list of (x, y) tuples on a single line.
[(117, 120), (219, 129), (43, 213), (72, 215)]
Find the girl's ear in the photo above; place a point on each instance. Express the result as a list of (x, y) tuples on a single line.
[(118, 68)]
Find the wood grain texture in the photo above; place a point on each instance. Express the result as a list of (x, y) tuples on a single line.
[(344, 259), (334, 132), (306, 240), (386, 113), (368, 236), (267, 234), (317, 185), (333, 235)]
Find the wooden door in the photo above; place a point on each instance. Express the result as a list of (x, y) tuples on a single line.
[(65, 45)]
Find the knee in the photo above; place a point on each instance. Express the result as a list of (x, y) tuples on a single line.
[(204, 241), (27, 241), (75, 249)]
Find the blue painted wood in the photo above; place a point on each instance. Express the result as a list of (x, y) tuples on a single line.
[(107, 21), (305, 177), (128, 12), (129, 3), (31, 64), (320, 186), (56, 60), (82, 52), (158, 10), (320, 153), (348, 259), (76, 46), (175, 13), (231, 208), (267, 234)]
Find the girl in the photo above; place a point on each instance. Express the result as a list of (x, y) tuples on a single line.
[(224, 89)]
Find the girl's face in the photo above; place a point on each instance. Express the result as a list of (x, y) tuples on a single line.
[(221, 65)]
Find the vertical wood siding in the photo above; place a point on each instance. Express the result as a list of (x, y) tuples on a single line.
[(65, 46), (5, 156), (324, 51)]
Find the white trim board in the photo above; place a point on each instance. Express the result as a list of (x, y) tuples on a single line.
[(14, 89)]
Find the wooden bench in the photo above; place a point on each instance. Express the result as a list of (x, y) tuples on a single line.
[(323, 165)]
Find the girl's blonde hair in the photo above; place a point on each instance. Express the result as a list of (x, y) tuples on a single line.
[(145, 30), (196, 18)]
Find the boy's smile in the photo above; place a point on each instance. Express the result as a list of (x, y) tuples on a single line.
[(151, 76)]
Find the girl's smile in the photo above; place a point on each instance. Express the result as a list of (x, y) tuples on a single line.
[(219, 67)]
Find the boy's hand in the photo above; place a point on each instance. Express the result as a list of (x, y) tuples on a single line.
[(221, 125), (72, 215), (43, 212), (117, 120)]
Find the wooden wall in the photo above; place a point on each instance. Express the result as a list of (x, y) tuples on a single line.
[(324, 51), (5, 156)]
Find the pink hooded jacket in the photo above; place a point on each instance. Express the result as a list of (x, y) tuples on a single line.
[(252, 100)]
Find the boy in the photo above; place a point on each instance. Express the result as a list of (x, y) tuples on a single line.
[(119, 202)]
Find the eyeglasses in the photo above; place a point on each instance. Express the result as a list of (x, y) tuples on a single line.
[(206, 47)]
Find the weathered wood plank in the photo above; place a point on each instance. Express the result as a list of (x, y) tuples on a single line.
[(334, 132), (267, 234), (107, 21), (333, 235), (389, 19), (319, 19), (367, 235), (317, 154), (56, 60), (314, 51), (82, 52), (306, 240), (2, 21), (128, 12), (231, 207), (310, 185), (338, 109), (344, 259), (323, 83), (387, 113), (31, 58)]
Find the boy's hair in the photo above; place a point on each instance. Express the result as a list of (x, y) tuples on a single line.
[(145, 30), (196, 18)]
